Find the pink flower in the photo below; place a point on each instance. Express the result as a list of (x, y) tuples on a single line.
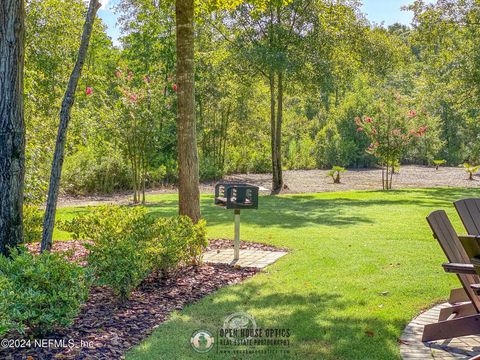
[(371, 147), (421, 131), (175, 87), (133, 97), (368, 119), (118, 74), (88, 91), (360, 129), (412, 113)]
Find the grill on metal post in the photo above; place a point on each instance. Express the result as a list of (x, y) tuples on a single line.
[(236, 196)]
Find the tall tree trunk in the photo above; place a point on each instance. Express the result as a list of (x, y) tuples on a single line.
[(273, 132), (278, 132), (12, 127), (188, 190), (65, 112)]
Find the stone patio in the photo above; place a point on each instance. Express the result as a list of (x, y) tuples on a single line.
[(248, 257), (412, 347)]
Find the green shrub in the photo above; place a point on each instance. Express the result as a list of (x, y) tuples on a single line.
[(119, 263), (118, 254), (156, 177), (32, 223), (335, 173), (470, 169), (177, 242), (439, 163), (128, 244), (41, 292), (300, 153), (210, 169), (246, 159), (6, 323), (95, 171)]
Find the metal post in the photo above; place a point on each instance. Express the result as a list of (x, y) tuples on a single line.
[(237, 235)]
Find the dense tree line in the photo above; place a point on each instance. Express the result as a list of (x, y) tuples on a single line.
[(278, 85)]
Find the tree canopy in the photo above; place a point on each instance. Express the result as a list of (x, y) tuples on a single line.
[(278, 85)]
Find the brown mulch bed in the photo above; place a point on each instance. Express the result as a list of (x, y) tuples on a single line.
[(74, 249), (112, 328)]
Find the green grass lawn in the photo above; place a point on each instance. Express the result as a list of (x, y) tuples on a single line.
[(361, 265)]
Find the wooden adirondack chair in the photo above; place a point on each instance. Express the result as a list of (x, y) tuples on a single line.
[(462, 318), (452, 251), (469, 212)]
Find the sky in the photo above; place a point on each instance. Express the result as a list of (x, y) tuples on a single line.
[(378, 11)]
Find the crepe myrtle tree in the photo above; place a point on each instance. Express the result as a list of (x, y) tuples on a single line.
[(133, 106), (390, 131)]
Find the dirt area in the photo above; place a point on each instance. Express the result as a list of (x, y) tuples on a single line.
[(314, 181)]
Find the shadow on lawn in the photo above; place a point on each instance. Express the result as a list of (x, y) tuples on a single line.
[(287, 212), (295, 211), (316, 332)]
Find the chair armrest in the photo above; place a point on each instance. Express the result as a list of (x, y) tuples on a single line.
[(468, 237), (476, 289), (471, 244), (457, 268)]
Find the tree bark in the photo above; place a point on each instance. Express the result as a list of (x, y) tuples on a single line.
[(12, 126), (273, 131), (278, 133), (65, 113), (188, 190)]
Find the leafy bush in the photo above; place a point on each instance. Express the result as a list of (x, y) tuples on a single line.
[(156, 177), (118, 254), (128, 244), (300, 153), (119, 263), (95, 171), (41, 292), (335, 173), (178, 241), (439, 163), (32, 223), (338, 142), (6, 323), (470, 169), (210, 169)]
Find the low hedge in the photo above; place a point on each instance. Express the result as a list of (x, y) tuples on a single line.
[(39, 293), (128, 244)]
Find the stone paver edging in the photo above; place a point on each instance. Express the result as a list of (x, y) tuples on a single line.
[(248, 257), (412, 347)]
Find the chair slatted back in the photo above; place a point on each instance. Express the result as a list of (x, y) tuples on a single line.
[(469, 212), (448, 239)]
